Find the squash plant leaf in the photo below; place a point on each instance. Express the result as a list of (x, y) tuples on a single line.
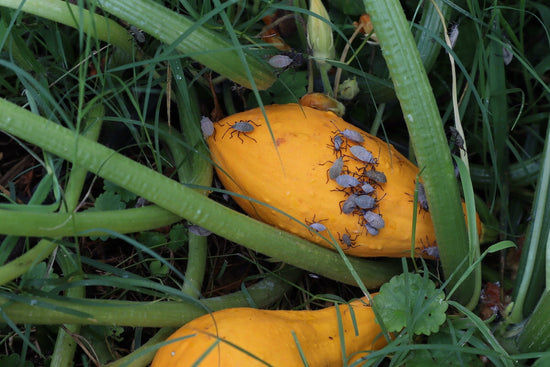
[(412, 301)]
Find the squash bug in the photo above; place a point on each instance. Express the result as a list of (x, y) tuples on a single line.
[(316, 224), (349, 204), (365, 201), (374, 220), (207, 127), (347, 240), (137, 34), (376, 176), (241, 127), (430, 249), (456, 138), (362, 154), (352, 135), (347, 181), (336, 168), (422, 199), (367, 188), (280, 61), (337, 145), (349, 134), (198, 230), (372, 231)]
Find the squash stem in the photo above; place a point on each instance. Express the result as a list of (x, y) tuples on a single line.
[(66, 310), (427, 136), (188, 203)]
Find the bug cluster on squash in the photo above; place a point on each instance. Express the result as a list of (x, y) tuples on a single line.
[(359, 186), (310, 173)]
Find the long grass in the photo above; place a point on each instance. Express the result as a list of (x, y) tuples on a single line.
[(97, 121)]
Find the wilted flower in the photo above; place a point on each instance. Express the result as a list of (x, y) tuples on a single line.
[(319, 34)]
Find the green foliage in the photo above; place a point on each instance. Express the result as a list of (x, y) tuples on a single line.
[(37, 276), (288, 88), (58, 67), (411, 301), (14, 360)]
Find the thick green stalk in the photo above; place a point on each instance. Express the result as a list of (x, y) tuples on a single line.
[(40, 224), (535, 336), (71, 15), (189, 37), (144, 354), (53, 225), (65, 345), (187, 203), (144, 314), (427, 136), (535, 256), (430, 27)]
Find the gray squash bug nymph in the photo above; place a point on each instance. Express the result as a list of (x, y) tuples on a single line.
[(137, 34), (347, 181), (280, 61), (456, 138), (374, 220), (241, 127), (336, 169), (371, 230), (352, 135), (367, 188), (349, 204), (316, 224), (198, 230), (337, 145), (362, 154), (347, 240), (365, 201), (376, 176), (207, 127), (430, 249), (422, 199)]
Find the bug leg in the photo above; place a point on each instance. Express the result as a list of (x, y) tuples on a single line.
[(229, 128)]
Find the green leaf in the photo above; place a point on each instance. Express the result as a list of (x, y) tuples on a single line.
[(178, 237), (436, 358), (14, 360), (151, 239), (124, 194), (109, 201), (409, 300), (158, 269), (38, 273)]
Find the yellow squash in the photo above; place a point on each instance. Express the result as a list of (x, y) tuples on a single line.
[(247, 336), (289, 171)]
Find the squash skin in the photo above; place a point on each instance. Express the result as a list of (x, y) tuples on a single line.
[(268, 335), (292, 178)]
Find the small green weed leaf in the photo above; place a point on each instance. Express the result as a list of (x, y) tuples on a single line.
[(178, 237), (124, 194), (116, 333), (151, 239), (109, 201), (409, 300), (36, 275), (288, 88), (441, 355), (158, 269)]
